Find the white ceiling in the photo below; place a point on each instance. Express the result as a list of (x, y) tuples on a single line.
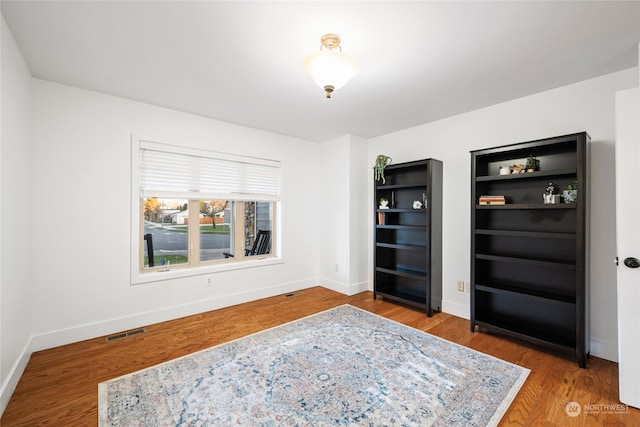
[(241, 61)]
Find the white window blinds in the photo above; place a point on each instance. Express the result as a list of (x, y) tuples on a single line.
[(169, 171)]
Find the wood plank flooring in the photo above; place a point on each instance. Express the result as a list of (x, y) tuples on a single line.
[(60, 385)]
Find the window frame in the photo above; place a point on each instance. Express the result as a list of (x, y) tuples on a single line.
[(140, 275)]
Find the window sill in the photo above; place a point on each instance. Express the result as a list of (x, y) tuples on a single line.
[(138, 278)]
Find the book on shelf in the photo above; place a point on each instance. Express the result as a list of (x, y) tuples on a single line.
[(491, 200), (381, 218)]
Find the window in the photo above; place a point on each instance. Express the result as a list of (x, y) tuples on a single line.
[(200, 209)]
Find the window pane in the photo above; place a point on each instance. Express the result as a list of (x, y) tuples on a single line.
[(257, 228), (166, 231), (216, 225)]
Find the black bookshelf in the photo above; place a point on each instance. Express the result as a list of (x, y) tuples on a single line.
[(408, 241), (529, 260)]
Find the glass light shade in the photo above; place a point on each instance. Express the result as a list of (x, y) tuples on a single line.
[(330, 68)]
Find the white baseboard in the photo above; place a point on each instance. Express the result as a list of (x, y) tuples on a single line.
[(344, 288), (88, 331), (457, 309), (9, 385), (604, 349)]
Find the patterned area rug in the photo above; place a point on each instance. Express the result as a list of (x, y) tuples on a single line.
[(339, 367)]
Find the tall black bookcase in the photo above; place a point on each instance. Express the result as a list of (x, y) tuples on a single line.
[(529, 260), (408, 235)]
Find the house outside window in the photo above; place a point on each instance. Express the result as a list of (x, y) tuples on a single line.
[(201, 211)]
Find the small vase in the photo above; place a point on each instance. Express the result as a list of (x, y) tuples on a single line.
[(570, 196)]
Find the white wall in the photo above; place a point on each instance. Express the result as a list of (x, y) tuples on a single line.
[(343, 210), (81, 165), (359, 211), (333, 205), (15, 232), (585, 106)]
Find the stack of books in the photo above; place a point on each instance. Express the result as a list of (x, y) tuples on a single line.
[(492, 200)]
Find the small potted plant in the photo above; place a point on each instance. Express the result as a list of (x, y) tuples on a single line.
[(532, 164), (570, 193)]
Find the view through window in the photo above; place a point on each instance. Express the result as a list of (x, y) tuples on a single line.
[(171, 232)]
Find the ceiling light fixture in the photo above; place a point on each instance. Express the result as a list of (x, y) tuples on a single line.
[(330, 68)]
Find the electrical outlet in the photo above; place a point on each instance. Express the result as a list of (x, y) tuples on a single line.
[(209, 281), (460, 285)]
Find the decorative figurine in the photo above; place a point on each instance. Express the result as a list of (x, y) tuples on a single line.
[(551, 196), (551, 189), (519, 168)]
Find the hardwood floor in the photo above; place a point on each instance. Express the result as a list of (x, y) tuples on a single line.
[(59, 386)]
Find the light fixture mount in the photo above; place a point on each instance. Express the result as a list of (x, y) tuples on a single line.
[(328, 90), (330, 68), (330, 41)]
